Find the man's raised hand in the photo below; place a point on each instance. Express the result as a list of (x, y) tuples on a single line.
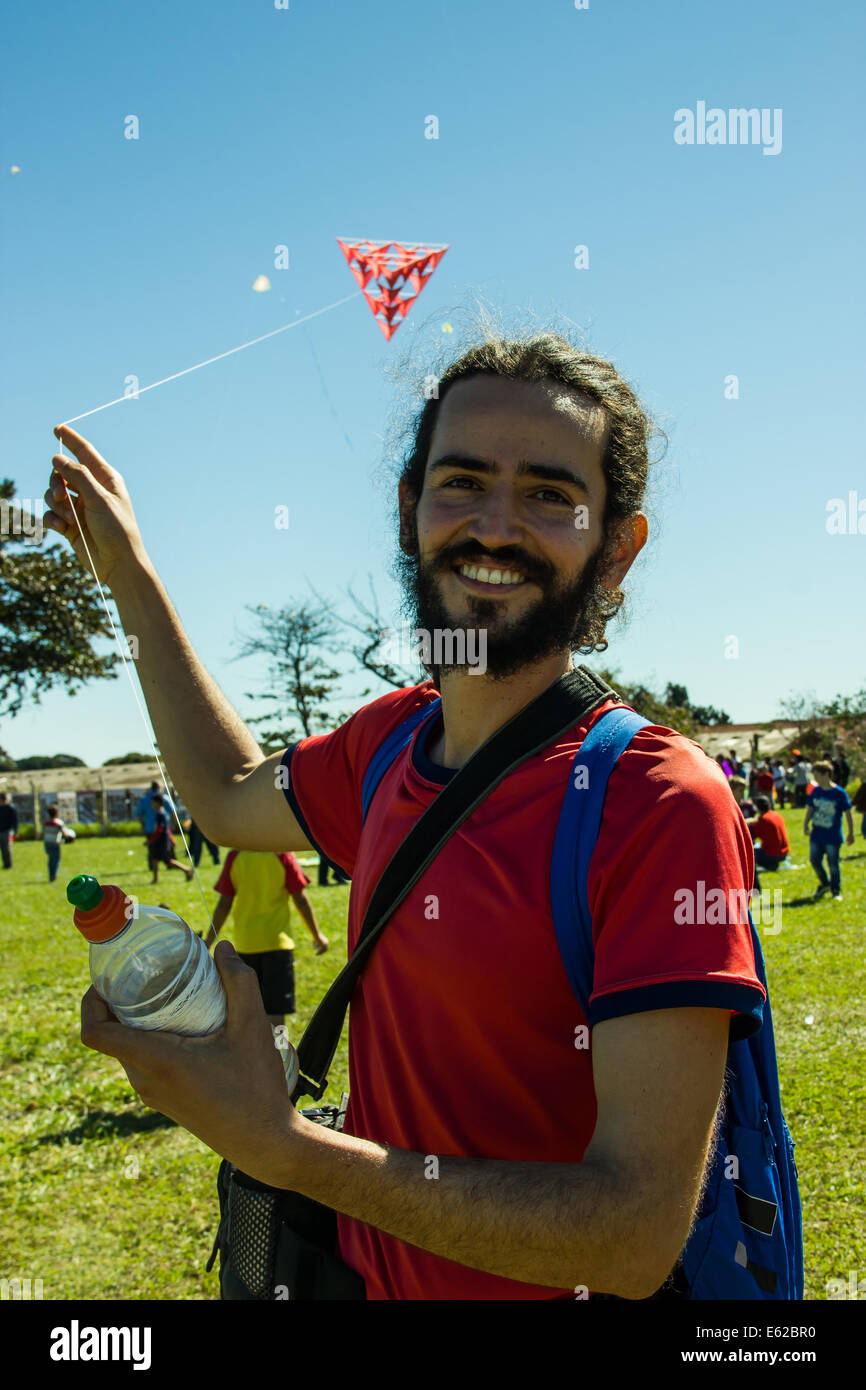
[(101, 503)]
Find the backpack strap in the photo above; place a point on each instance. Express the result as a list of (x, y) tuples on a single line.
[(576, 835), (387, 751)]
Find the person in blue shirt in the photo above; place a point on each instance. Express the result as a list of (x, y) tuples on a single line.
[(147, 810), (825, 805)]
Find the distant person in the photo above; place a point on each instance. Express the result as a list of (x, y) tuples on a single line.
[(724, 765), (261, 886), (54, 835), (736, 765), (778, 772), (738, 788), (801, 775), (859, 805), (160, 843), (144, 810), (768, 827), (147, 815), (765, 783), (841, 770), (8, 828), (826, 805), (197, 841), (324, 866)]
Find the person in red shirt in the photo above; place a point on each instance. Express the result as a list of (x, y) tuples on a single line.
[(765, 783), (498, 1144), (768, 827)]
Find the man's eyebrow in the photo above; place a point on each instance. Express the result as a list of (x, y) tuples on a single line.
[(547, 472)]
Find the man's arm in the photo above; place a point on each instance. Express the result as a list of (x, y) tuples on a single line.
[(808, 821), (230, 789), (616, 1222)]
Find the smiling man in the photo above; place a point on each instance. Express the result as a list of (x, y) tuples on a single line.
[(484, 1154)]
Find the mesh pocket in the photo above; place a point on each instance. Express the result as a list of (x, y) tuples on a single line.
[(252, 1238)]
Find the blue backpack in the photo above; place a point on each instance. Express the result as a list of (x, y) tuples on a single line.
[(747, 1238)]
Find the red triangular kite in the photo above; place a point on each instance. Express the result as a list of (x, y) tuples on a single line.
[(396, 271)]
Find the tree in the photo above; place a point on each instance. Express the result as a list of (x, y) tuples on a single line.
[(128, 758), (677, 697), (372, 652), (7, 764), (50, 612), (708, 714), (837, 723), (292, 640), (656, 708), (42, 760)]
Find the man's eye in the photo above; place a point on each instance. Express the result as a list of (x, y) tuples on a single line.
[(555, 496), (462, 479)]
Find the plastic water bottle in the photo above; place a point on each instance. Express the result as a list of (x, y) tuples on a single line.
[(150, 968)]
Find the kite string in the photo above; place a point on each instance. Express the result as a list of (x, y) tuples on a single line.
[(141, 711), (126, 663), (220, 355)]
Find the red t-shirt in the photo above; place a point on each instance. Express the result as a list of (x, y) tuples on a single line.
[(765, 781), (770, 829), (462, 1026)]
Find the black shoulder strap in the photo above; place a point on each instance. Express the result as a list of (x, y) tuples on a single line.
[(552, 713)]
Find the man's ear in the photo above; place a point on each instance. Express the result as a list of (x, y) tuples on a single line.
[(408, 531), (623, 549)]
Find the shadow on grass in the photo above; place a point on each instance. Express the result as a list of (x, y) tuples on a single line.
[(810, 901), (107, 1124)]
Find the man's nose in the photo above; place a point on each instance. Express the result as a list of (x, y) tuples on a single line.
[(496, 521)]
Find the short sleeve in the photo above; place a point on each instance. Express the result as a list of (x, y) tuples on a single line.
[(295, 878), (224, 883), (326, 773), (669, 888)]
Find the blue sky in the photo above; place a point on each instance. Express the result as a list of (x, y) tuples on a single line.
[(261, 127)]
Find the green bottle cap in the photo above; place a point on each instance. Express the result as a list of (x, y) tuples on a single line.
[(84, 892)]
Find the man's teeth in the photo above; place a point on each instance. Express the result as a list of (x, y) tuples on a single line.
[(488, 576)]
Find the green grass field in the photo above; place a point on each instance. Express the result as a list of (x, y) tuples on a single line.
[(105, 1199)]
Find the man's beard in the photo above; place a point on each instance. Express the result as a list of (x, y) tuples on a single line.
[(556, 621)]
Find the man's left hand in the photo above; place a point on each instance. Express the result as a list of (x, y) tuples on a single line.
[(228, 1088)]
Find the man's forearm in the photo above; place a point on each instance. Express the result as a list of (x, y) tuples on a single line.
[(557, 1224), (203, 741)]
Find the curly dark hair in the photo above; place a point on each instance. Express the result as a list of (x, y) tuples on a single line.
[(550, 357)]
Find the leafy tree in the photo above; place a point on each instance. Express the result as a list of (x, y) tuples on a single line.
[(654, 707), (50, 612), (293, 640), (708, 714), (839, 723), (677, 697), (128, 758), (7, 764), (370, 652), (41, 760)]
